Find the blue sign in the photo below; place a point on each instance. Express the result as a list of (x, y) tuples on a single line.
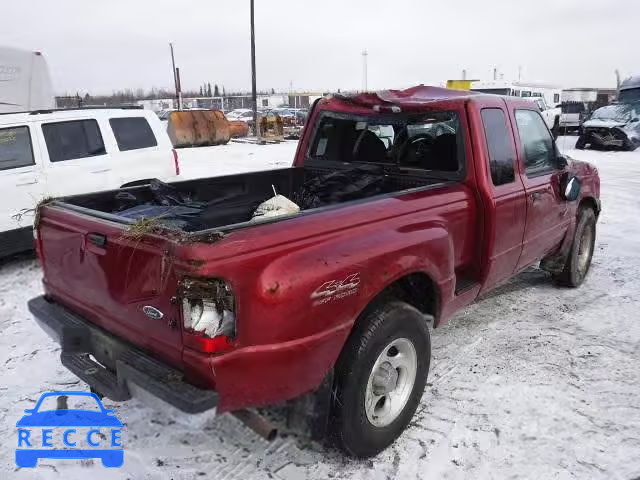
[(53, 433)]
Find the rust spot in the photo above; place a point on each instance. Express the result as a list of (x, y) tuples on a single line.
[(273, 289), (238, 129)]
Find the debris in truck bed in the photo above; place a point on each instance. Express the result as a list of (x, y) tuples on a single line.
[(340, 186), (275, 207)]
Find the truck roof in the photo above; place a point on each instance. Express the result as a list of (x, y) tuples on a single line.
[(413, 96), (73, 113), (631, 82)]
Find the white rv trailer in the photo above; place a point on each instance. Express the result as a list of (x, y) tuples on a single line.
[(25, 83), (552, 94)]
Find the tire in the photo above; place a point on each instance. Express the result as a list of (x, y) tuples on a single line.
[(581, 143), (388, 332), (579, 260)]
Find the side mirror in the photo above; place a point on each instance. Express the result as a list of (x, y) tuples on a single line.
[(570, 187)]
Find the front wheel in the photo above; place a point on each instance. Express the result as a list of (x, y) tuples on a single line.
[(581, 143), (380, 378), (579, 259)]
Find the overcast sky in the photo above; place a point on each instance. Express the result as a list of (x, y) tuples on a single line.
[(99, 46)]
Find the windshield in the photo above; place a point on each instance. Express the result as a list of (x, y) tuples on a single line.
[(430, 141), (621, 113)]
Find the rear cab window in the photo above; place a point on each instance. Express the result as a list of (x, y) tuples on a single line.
[(429, 142), (16, 150), (133, 133), (500, 146), (75, 139)]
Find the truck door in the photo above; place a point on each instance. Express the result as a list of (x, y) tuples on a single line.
[(505, 196), (20, 178), (548, 215)]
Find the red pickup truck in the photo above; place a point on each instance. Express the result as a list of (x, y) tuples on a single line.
[(411, 204)]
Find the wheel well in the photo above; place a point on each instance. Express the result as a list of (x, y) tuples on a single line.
[(590, 202), (416, 289)]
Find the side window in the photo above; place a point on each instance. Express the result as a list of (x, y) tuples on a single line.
[(499, 143), (539, 152), (73, 140), (15, 148), (132, 133), (556, 98)]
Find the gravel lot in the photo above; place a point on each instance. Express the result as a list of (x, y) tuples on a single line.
[(532, 381)]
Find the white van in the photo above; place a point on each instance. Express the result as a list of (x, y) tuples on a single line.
[(69, 152), (25, 83)]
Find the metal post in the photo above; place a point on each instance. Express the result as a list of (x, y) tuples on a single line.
[(175, 77), (179, 88), (365, 54), (254, 92)]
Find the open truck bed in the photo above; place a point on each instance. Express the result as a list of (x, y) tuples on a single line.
[(221, 204)]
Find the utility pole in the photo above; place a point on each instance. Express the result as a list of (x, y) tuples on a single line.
[(520, 73), (365, 54), (176, 81), (254, 91)]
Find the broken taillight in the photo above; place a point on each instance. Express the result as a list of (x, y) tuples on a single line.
[(208, 314)]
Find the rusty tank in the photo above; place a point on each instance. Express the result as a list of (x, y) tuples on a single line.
[(198, 128)]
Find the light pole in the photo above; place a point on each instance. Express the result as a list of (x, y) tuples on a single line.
[(176, 79), (254, 92), (365, 54)]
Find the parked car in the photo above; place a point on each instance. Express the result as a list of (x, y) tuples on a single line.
[(330, 300), (614, 127), (68, 152), (241, 114)]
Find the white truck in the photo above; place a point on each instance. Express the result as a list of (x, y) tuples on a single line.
[(25, 83), (577, 103), (551, 115), (50, 153)]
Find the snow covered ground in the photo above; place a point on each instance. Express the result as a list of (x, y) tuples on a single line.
[(234, 158), (532, 381)]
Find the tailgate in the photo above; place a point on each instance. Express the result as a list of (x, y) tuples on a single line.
[(119, 282)]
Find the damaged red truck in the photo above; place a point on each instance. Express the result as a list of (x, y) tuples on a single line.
[(412, 204)]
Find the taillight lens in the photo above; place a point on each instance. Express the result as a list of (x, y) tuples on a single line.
[(208, 313), (38, 245), (176, 162)]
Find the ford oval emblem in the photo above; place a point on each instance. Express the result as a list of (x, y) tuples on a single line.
[(152, 312)]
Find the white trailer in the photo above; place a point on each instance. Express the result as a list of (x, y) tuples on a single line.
[(25, 83)]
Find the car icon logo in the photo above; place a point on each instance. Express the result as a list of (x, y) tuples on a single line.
[(152, 312), (59, 433)]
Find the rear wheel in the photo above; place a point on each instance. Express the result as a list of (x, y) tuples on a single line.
[(380, 378), (579, 260)]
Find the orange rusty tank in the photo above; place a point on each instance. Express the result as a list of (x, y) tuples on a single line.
[(238, 129), (198, 128)]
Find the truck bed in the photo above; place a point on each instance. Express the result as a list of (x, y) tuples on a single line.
[(225, 203)]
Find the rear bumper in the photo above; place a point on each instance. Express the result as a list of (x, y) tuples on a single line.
[(132, 370)]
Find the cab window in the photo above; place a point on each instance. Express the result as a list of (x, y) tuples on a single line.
[(537, 143), (15, 148)]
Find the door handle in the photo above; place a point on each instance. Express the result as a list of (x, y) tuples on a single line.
[(102, 171), (98, 239), (32, 182)]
